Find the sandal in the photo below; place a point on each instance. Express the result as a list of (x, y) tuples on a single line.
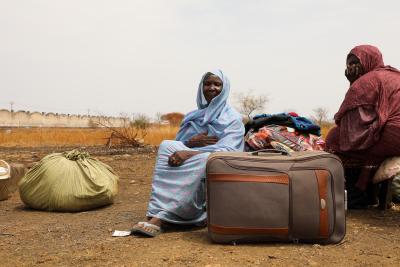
[(146, 229)]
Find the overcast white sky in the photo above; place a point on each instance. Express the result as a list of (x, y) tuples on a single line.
[(148, 56)]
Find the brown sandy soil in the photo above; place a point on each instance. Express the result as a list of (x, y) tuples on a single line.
[(30, 238)]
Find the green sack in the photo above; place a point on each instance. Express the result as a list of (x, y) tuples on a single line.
[(69, 181)]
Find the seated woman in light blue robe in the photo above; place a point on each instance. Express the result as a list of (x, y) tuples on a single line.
[(178, 188)]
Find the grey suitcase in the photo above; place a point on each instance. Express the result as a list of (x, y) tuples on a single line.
[(270, 196)]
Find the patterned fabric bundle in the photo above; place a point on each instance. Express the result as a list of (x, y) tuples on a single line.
[(283, 137)]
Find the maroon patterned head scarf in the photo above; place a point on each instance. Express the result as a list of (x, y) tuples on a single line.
[(369, 56)]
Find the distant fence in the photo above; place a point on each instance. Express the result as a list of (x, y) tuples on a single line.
[(42, 119)]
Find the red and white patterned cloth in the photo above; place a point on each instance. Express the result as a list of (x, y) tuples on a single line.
[(287, 138)]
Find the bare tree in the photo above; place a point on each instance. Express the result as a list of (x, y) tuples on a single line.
[(320, 115), (158, 118), (140, 121), (248, 102), (174, 118), (92, 123)]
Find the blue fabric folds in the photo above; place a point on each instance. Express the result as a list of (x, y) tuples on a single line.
[(178, 193), (299, 123)]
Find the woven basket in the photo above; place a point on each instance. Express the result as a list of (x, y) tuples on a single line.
[(5, 172)]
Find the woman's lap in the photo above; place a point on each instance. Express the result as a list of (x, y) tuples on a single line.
[(365, 161), (387, 146), (178, 193)]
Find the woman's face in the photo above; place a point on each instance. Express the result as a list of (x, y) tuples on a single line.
[(354, 69), (212, 87)]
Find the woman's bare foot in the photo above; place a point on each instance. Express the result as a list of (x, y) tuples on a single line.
[(155, 221), (151, 228)]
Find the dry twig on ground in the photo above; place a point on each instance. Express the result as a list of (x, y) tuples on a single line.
[(130, 133)]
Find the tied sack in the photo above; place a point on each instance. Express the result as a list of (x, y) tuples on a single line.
[(69, 181)]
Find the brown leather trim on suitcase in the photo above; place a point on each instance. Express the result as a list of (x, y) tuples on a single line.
[(222, 177), (247, 231), (322, 180)]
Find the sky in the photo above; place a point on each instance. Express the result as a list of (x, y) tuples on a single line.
[(112, 57)]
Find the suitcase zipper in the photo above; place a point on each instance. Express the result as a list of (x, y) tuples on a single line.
[(259, 159), (253, 168)]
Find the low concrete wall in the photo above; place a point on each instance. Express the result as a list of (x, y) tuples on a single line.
[(37, 119)]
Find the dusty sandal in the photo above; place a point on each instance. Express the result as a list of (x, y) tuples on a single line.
[(146, 229)]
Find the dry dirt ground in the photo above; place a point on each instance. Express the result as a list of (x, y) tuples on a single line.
[(37, 238)]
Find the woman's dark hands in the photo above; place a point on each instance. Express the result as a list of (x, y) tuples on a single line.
[(177, 159), (201, 140)]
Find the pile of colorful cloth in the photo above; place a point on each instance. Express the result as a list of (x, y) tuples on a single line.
[(283, 131)]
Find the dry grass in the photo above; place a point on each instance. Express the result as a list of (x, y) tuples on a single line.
[(37, 137), (157, 134), (325, 129), (33, 137)]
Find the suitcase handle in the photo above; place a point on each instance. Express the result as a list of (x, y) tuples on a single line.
[(270, 151)]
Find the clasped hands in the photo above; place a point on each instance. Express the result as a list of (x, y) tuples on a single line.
[(200, 140)]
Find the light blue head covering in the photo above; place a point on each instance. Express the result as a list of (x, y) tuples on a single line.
[(216, 118), (218, 102)]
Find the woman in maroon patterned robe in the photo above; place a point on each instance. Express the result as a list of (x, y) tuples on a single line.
[(368, 121)]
